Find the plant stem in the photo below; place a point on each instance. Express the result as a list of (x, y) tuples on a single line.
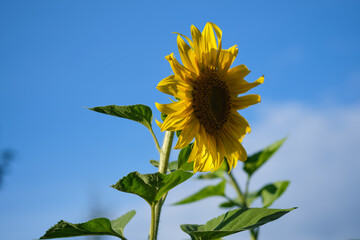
[(254, 233), (156, 141), (247, 187), (163, 166), (165, 151), (152, 224), (237, 189)]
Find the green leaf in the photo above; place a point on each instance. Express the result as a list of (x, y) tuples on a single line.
[(183, 157), (273, 191), (229, 204), (256, 160), (97, 226), (171, 167), (232, 222), (119, 224), (209, 191), (251, 197), (151, 187), (139, 113)]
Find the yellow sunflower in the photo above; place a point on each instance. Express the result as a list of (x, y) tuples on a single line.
[(207, 91)]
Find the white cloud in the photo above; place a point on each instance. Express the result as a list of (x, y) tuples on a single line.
[(320, 158)]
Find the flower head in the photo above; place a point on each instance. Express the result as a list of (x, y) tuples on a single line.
[(207, 90)]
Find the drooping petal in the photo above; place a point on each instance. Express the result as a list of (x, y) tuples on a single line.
[(188, 133), (245, 101)]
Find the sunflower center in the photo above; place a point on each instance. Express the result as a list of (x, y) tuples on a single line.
[(211, 101)]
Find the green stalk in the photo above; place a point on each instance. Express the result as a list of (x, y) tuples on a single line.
[(163, 166), (237, 189)]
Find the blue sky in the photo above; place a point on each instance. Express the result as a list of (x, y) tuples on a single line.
[(58, 56)]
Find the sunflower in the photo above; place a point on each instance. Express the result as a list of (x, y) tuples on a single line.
[(207, 91)]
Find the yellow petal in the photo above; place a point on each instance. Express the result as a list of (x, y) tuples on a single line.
[(227, 57), (177, 120), (179, 70), (188, 133), (243, 86), (187, 38), (176, 87), (158, 123), (171, 108), (197, 40), (245, 101), (237, 74), (208, 38), (187, 55)]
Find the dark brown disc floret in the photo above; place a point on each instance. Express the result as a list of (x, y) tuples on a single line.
[(211, 101)]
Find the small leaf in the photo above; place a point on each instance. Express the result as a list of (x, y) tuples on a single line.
[(232, 222), (229, 204), (151, 187), (209, 191), (97, 226), (183, 158), (139, 113), (171, 167), (273, 191), (256, 160)]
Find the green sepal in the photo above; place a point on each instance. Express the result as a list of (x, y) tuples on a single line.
[(151, 187), (172, 166), (139, 113), (97, 226), (256, 160), (209, 191), (233, 221)]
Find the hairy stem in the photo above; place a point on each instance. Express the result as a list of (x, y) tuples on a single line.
[(163, 166), (156, 141), (237, 189)]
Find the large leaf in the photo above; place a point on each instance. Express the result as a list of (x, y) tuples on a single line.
[(183, 158), (272, 191), (151, 187), (232, 222), (139, 113), (256, 160), (97, 226), (209, 191)]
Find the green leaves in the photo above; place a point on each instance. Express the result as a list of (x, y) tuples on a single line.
[(183, 157), (151, 187), (209, 191), (273, 191), (139, 113), (232, 222), (97, 226), (258, 159)]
